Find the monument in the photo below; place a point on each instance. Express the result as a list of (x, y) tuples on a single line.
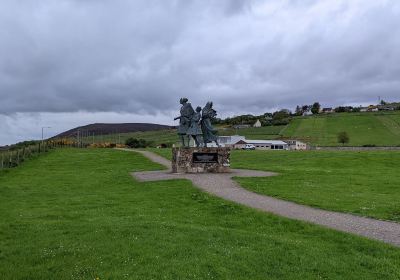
[(197, 125)]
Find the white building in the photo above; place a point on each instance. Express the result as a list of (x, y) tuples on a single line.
[(296, 145), (263, 144), (239, 142), (257, 124), (229, 141)]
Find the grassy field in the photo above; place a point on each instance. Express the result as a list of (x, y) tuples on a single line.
[(363, 183), (157, 137), (78, 214), (377, 128), (252, 133), (170, 136), (380, 129)]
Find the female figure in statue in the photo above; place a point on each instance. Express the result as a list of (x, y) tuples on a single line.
[(209, 133), (195, 130)]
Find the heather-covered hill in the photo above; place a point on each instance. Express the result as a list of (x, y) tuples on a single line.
[(112, 128)]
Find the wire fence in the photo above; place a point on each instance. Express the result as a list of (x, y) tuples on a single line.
[(15, 156)]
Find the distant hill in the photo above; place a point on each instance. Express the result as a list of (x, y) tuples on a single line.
[(112, 128)]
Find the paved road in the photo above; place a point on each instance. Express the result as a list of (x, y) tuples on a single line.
[(223, 186)]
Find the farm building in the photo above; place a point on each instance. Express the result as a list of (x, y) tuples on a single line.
[(296, 145), (239, 142), (229, 141), (263, 144)]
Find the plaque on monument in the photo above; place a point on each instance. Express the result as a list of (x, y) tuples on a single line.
[(205, 158)]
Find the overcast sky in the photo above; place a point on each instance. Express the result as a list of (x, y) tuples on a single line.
[(67, 63)]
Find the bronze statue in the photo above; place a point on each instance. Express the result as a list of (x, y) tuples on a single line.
[(209, 133), (195, 130), (196, 125), (185, 120)]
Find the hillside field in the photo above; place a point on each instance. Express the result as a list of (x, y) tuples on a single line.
[(379, 128), (79, 214)]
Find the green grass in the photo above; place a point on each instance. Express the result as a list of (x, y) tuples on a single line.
[(170, 136), (380, 129), (157, 137), (252, 133), (376, 128), (363, 183), (78, 214)]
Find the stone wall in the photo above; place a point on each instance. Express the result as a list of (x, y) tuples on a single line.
[(201, 160)]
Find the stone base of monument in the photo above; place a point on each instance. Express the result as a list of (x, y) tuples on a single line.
[(201, 160)]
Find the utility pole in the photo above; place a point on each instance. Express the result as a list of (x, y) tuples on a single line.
[(43, 127)]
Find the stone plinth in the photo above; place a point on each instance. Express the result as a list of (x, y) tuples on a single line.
[(201, 160)]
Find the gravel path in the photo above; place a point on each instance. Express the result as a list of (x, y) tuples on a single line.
[(223, 186)]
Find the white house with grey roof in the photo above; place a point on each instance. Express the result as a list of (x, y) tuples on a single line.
[(238, 142), (263, 144)]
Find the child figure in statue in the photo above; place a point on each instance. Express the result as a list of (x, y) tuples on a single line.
[(209, 133), (194, 130), (184, 121)]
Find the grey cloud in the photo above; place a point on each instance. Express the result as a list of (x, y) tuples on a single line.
[(141, 56)]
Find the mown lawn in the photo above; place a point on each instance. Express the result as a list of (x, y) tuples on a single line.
[(363, 183), (78, 214)]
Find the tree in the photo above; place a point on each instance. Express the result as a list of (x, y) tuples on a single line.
[(305, 108), (343, 137), (315, 108), (298, 111)]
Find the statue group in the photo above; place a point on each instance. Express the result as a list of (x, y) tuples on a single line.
[(196, 124)]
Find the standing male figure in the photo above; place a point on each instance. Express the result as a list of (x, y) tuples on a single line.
[(185, 120)]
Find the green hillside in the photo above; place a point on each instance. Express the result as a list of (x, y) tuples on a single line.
[(169, 136), (380, 129), (265, 132)]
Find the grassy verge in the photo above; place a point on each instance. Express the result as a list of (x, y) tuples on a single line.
[(363, 183), (78, 214)]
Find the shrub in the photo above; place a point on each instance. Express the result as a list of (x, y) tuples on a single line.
[(343, 137), (136, 143)]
